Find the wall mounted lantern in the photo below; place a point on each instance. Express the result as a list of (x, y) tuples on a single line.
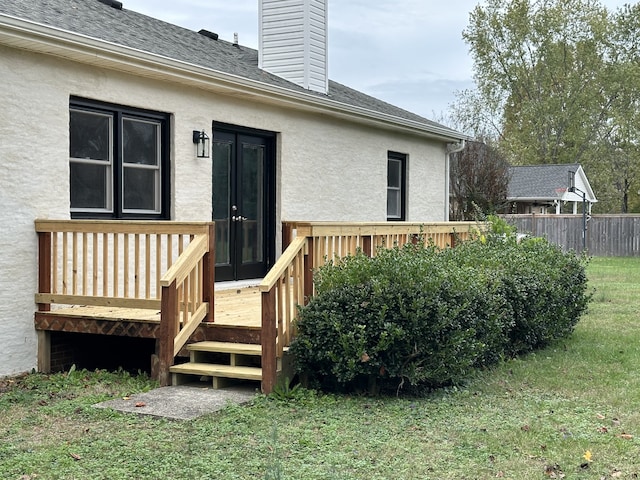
[(201, 141)]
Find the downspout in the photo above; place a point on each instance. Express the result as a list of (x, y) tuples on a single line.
[(451, 148)]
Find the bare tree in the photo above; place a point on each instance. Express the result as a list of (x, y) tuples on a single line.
[(479, 180)]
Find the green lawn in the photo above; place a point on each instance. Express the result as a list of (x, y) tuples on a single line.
[(535, 417)]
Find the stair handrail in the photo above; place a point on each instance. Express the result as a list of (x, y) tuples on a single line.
[(284, 288), (283, 262), (186, 299)]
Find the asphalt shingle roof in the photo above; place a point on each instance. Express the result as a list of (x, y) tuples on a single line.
[(128, 28), (540, 181)]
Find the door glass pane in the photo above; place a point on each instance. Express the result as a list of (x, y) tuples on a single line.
[(252, 185), (221, 199)]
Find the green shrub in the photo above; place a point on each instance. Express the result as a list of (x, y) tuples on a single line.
[(428, 317), (544, 290)]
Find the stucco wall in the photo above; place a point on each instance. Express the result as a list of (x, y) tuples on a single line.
[(327, 169)]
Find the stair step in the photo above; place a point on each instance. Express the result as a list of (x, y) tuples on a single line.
[(226, 347), (214, 370)]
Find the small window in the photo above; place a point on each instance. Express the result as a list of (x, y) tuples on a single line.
[(118, 162), (396, 186)]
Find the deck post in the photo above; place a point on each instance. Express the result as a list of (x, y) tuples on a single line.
[(209, 280), (44, 267), (44, 351), (366, 245), (168, 332), (268, 340), (287, 235), (308, 271)]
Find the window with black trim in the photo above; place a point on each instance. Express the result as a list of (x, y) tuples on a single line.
[(118, 161), (396, 185)]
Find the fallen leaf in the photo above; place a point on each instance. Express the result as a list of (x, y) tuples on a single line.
[(587, 455), (75, 456), (600, 416), (141, 404), (364, 358), (616, 474), (500, 475), (625, 436), (525, 428), (553, 471), (603, 429), (126, 398)]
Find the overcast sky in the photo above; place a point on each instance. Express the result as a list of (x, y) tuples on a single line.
[(407, 52)]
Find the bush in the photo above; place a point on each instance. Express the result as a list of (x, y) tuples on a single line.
[(428, 317)]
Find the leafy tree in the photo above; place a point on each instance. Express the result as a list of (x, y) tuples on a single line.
[(624, 141), (479, 178), (557, 82)]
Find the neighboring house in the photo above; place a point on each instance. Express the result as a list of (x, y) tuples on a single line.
[(111, 114), (545, 189)]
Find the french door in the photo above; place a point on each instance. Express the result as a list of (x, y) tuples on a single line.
[(243, 202)]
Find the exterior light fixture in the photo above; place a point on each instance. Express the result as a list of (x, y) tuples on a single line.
[(201, 141)]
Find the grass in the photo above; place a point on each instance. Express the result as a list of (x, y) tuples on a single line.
[(533, 417)]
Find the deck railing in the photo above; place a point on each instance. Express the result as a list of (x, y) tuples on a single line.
[(166, 266), (309, 245)]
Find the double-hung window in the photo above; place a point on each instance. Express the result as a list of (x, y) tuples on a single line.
[(118, 162), (396, 186)]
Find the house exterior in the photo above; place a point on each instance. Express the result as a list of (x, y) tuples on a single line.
[(113, 115), (544, 189)]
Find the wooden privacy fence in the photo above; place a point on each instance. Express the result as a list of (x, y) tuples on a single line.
[(164, 266), (606, 235), (309, 245)]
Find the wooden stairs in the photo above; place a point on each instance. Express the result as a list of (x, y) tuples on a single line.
[(222, 361)]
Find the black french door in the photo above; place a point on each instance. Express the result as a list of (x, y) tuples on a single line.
[(243, 202)]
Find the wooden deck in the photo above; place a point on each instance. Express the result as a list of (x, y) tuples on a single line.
[(237, 307), (156, 280)]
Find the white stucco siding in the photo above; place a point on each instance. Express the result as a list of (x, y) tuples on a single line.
[(337, 171), (31, 181), (34, 178), (426, 189)]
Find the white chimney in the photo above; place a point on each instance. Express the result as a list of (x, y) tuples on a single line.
[(293, 41)]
